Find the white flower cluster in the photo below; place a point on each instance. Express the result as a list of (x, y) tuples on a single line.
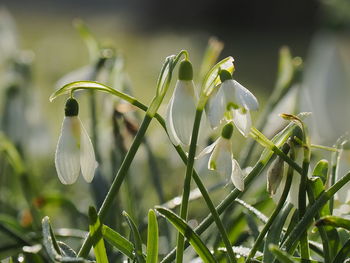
[(230, 103)]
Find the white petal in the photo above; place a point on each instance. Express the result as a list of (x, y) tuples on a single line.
[(169, 124), (67, 157), (245, 98), (216, 108), (220, 159), (184, 110), (237, 176), (207, 149), (87, 156), (229, 89), (242, 121)]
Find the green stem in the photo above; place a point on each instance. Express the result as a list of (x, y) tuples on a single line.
[(321, 229), (278, 208), (260, 138), (118, 180), (304, 245), (187, 183), (208, 201), (335, 160), (305, 222)]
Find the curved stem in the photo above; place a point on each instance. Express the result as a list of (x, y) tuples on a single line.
[(278, 208)]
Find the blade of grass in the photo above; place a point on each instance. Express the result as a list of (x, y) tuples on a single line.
[(187, 232), (118, 241), (152, 238), (96, 235), (137, 238)]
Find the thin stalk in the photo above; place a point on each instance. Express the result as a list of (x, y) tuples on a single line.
[(278, 208), (118, 180)]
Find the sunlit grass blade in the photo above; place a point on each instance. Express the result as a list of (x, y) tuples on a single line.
[(95, 228), (118, 241), (152, 238), (188, 232), (137, 238)]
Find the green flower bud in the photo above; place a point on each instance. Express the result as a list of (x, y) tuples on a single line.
[(185, 70), (227, 131), (225, 75), (71, 108)]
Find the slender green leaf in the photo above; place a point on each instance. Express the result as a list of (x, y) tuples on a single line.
[(89, 39), (50, 242), (95, 228), (52, 246), (211, 55), (152, 238), (334, 221), (90, 85), (66, 250), (11, 154), (343, 253), (137, 238), (282, 256), (188, 232), (118, 241), (275, 232), (263, 218)]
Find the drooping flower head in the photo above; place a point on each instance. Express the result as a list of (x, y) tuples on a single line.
[(221, 158), (75, 153), (182, 107), (233, 102)]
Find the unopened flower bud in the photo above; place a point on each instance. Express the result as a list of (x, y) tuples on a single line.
[(274, 175)]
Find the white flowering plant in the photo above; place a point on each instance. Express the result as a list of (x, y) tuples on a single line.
[(295, 215)]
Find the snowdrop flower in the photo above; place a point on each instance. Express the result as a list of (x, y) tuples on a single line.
[(182, 107), (74, 153), (233, 102), (221, 157)]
